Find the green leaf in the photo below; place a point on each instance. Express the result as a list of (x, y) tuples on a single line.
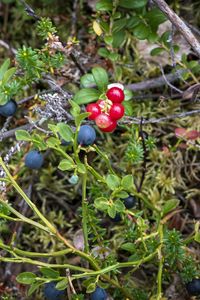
[(34, 286), (8, 74), (119, 206), (112, 181), (118, 38), (81, 168), (53, 128), (127, 182), (49, 273), (38, 142), (26, 278), (154, 18), (128, 94), (133, 21), (75, 111), (101, 78), (101, 203), (62, 284), (122, 194), (119, 24), (4, 67), (141, 31), (88, 81), (132, 3), (104, 5), (128, 247), (87, 95), (80, 118), (52, 142), (170, 205), (65, 132), (108, 39), (113, 56), (103, 52), (157, 51), (23, 135), (66, 165), (91, 288), (111, 211)]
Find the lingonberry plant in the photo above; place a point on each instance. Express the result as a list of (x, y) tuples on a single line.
[(100, 190)]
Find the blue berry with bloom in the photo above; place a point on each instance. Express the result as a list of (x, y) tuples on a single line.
[(8, 109), (99, 294), (51, 293), (86, 135), (34, 159)]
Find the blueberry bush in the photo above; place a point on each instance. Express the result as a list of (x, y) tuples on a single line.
[(99, 152)]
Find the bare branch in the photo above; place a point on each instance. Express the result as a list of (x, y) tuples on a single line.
[(155, 82), (180, 25)]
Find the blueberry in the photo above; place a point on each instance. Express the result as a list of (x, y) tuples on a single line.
[(8, 109), (86, 135), (117, 218), (129, 202), (99, 294), (51, 293), (65, 143), (193, 287), (34, 159)]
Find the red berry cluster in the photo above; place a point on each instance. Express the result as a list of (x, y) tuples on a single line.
[(107, 112)]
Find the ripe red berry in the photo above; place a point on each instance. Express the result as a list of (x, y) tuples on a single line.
[(110, 128), (115, 94), (103, 120), (94, 110), (116, 111)]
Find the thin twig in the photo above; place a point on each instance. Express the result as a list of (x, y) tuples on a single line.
[(180, 25), (155, 82)]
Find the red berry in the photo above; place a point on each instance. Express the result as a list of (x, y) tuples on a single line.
[(101, 103), (110, 128), (116, 111), (115, 94), (103, 120), (94, 110)]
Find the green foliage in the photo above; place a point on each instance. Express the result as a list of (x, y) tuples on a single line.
[(8, 88), (45, 27)]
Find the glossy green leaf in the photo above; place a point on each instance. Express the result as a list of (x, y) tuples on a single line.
[(101, 78), (66, 165), (127, 182), (23, 135), (132, 3), (4, 67), (26, 278), (157, 51), (86, 95), (65, 132), (49, 273), (104, 5), (112, 181), (170, 205), (88, 81), (62, 284)]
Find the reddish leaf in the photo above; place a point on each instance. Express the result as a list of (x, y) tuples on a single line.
[(180, 132), (192, 134)]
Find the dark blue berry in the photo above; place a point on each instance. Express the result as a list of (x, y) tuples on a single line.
[(51, 293), (99, 294), (129, 202), (34, 159), (86, 135), (193, 287), (117, 218), (8, 109), (65, 143)]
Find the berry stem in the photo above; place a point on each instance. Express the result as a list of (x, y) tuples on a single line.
[(105, 157), (84, 212)]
